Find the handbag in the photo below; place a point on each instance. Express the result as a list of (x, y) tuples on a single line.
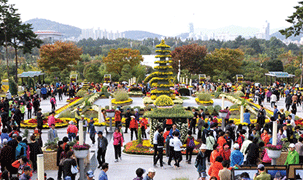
[(74, 169), (61, 162)]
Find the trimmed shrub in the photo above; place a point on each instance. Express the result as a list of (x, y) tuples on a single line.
[(201, 107), (121, 95), (81, 93), (164, 100), (210, 110), (204, 97), (183, 91), (217, 108), (13, 87), (239, 94)]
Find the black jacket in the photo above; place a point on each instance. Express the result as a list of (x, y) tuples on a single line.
[(160, 141), (35, 149), (59, 151), (104, 143), (67, 167)]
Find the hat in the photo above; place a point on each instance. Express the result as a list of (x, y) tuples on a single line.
[(132, 116), (226, 146), (21, 103), (27, 168), (236, 146), (90, 173), (260, 166), (127, 109), (78, 107), (4, 141), (71, 122), (117, 109), (136, 109), (68, 178), (204, 175), (91, 118), (100, 132), (291, 145), (82, 116), (14, 135), (203, 146), (152, 170)]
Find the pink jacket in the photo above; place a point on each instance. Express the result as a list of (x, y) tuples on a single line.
[(52, 99), (118, 138), (51, 120)]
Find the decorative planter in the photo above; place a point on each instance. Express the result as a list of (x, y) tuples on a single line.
[(274, 154), (110, 114), (81, 153), (223, 115)]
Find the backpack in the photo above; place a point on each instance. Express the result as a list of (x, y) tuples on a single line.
[(191, 143), (52, 101)]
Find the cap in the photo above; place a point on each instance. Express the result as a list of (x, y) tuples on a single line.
[(117, 109), (226, 146), (71, 122), (90, 173), (136, 109), (292, 145), (203, 146), (152, 170), (127, 109), (91, 118), (236, 146), (78, 107), (100, 132), (21, 103), (27, 168), (260, 166), (68, 178), (82, 116), (14, 135), (132, 116)]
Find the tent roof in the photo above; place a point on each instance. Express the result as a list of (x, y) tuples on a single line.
[(31, 74), (279, 74)]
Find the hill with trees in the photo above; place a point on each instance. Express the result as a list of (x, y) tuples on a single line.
[(44, 24), (136, 35)]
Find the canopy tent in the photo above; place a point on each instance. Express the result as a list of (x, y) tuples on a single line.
[(278, 74), (31, 74)]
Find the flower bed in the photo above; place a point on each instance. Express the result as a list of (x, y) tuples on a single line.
[(146, 148), (70, 100), (63, 108), (122, 103), (135, 94), (32, 123), (204, 102)]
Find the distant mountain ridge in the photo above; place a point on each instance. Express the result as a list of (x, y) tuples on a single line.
[(44, 24), (136, 35)]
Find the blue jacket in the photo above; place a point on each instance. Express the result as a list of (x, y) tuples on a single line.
[(4, 136), (43, 90), (236, 157), (19, 150), (276, 113), (91, 128), (103, 176), (171, 133), (246, 118)]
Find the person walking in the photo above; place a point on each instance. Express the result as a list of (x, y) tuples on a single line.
[(143, 126), (252, 152), (127, 119), (51, 119), (133, 126), (35, 149), (246, 116), (225, 173), (72, 131), (40, 117), (210, 142), (102, 147), (92, 130), (200, 162), (59, 151), (67, 165), (160, 146), (299, 149), (118, 143), (29, 109), (216, 167), (190, 145), (117, 117), (7, 157), (236, 157), (52, 133), (53, 103), (192, 122), (103, 175), (177, 149)]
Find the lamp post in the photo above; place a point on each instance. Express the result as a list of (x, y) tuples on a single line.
[(301, 66), (179, 71)]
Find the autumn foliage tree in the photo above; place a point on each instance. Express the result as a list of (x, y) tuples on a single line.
[(117, 58), (191, 58), (60, 55)]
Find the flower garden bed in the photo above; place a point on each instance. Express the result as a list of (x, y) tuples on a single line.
[(211, 102), (70, 100), (122, 103), (63, 108), (146, 148), (32, 123)]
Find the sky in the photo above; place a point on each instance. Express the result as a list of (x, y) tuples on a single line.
[(165, 17)]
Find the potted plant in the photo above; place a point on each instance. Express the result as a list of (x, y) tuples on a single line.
[(81, 151), (110, 113), (274, 151), (223, 113)]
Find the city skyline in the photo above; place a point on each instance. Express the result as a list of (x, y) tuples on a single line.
[(168, 18)]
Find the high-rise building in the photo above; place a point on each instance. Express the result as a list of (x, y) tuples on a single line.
[(264, 32)]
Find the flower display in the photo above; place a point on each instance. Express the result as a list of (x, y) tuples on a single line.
[(32, 123), (63, 108), (162, 45), (274, 147), (70, 100), (162, 85), (81, 147), (162, 62), (163, 56), (163, 51), (156, 74), (204, 102), (154, 91), (164, 100), (155, 79), (121, 102), (163, 67)]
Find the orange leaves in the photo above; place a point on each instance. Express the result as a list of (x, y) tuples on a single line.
[(60, 55)]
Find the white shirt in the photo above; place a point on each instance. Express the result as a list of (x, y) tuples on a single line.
[(177, 144), (155, 141), (292, 122), (171, 142)]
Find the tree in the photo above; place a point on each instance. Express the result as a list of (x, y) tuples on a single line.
[(60, 54), (274, 65), (296, 20), (191, 58), (92, 72), (117, 58), (126, 73), (228, 60)]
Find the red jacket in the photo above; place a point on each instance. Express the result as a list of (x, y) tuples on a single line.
[(214, 169), (225, 154), (16, 164), (143, 122), (214, 155), (221, 141), (133, 124), (118, 116)]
